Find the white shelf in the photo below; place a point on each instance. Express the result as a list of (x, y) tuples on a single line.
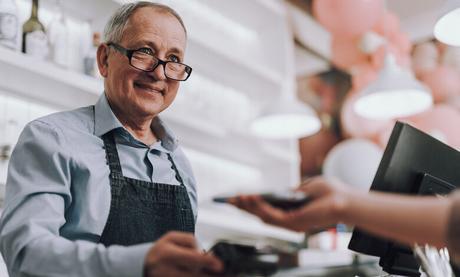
[(238, 147), (46, 82), (254, 81), (243, 73), (239, 225)]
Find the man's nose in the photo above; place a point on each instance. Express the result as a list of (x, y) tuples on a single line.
[(159, 73)]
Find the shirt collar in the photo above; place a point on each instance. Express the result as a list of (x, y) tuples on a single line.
[(106, 121), (164, 134)]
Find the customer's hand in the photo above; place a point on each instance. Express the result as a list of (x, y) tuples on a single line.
[(176, 254), (329, 202)]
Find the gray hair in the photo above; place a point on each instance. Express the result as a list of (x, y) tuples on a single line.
[(113, 31)]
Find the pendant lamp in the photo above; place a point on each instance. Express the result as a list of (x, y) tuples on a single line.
[(447, 28), (286, 119), (395, 93)]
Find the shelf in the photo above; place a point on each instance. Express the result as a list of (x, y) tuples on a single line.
[(199, 133), (46, 82), (238, 225), (50, 84), (208, 56), (97, 12), (255, 82)]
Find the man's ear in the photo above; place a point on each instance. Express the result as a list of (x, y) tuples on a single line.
[(102, 59)]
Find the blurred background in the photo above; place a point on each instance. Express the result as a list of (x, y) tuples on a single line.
[(277, 95)]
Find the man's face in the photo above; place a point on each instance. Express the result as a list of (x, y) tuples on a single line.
[(134, 92)]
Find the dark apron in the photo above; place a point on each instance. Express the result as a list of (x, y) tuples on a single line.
[(142, 211)]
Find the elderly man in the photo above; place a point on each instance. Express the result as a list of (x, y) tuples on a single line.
[(89, 190)]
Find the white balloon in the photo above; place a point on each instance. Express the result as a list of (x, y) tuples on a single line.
[(354, 162)]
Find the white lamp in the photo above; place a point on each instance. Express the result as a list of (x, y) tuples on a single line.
[(395, 93), (447, 28), (287, 119)]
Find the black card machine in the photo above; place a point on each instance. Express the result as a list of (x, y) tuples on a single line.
[(245, 259)]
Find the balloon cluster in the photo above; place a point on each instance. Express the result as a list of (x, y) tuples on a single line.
[(362, 33), (438, 66)]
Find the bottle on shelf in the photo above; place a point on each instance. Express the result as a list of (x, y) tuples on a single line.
[(9, 24), (90, 62), (34, 40), (58, 37)]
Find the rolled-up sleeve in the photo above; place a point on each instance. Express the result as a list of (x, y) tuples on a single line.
[(38, 192)]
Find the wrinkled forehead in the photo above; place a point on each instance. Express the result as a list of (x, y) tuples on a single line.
[(153, 16), (157, 28)]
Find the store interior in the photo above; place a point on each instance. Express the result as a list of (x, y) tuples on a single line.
[(310, 62)]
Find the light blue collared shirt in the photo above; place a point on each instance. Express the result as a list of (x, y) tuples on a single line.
[(58, 193)]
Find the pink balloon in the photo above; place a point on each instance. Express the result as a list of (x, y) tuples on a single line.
[(451, 57), (348, 18), (425, 58), (454, 102), (441, 122), (444, 82), (385, 133), (384, 136), (345, 52), (442, 48), (401, 41), (362, 75), (388, 23), (357, 126)]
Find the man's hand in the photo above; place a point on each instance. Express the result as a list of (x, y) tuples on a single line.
[(176, 254), (329, 202)]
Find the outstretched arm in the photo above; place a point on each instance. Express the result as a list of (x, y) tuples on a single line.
[(406, 219)]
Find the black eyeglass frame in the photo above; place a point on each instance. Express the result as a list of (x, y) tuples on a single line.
[(129, 53)]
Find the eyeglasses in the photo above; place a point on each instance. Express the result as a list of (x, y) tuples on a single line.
[(146, 62)]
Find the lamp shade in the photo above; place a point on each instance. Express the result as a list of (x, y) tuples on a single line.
[(446, 28), (395, 93), (286, 119)]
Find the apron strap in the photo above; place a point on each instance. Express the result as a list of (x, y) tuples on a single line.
[(174, 167), (112, 156)]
